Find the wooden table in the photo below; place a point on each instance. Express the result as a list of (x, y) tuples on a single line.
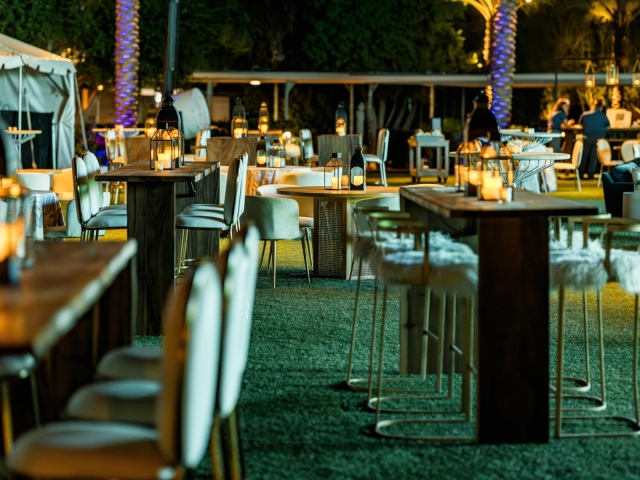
[(334, 228), (53, 311), (153, 201), (328, 144), (513, 305)]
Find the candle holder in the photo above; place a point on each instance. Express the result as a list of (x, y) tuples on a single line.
[(336, 173), (262, 151), (263, 118), (167, 147), (463, 159), (357, 171), (341, 120), (239, 124), (276, 157)]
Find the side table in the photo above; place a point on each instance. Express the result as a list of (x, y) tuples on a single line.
[(631, 205)]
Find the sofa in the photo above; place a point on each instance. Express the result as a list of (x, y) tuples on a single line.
[(615, 184)]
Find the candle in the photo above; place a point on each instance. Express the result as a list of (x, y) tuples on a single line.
[(345, 181), (159, 165), (165, 158), (334, 183), (262, 159), (358, 180), (292, 151), (491, 186), (238, 133), (506, 194), (473, 177), (341, 131)]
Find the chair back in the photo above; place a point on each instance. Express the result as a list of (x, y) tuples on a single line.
[(63, 183), (35, 180), (271, 189), (81, 189), (192, 328), (629, 150), (303, 179), (239, 294), (383, 144), (95, 187), (232, 191), (306, 144), (201, 141), (604, 150), (243, 184), (576, 154), (276, 218)]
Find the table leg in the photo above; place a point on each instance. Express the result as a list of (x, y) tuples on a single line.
[(151, 208), (331, 239), (513, 331)]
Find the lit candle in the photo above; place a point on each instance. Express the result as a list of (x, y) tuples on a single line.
[(358, 180), (5, 245), (473, 177), (238, 132), (335, 185), (292, 151), (159, 165), (262, 159), (165, 158), (345, 181), (491, 186), (341, 131)]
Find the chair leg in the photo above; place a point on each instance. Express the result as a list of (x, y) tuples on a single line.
[(603, 390), (383, 174), (586, 339), (34, 398), (275, 246), (264, 247), (578, 181), (636, 395), (353, 328), (373, 340), (270, 258), (425, 336), (235, 448), (7, 425), (309, 236), (304, 255), (600, 176), (381, 353), (452, 354), (560, 364), (443, 306)]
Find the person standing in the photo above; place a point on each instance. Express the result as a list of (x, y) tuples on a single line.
[(481, 122), (594, 127), (558, 120)]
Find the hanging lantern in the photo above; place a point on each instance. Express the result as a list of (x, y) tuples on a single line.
[(167, 149), (239, 124), (357, 171), (341, 120), (613, 73), (263, 118), (590, 75), (336, 173), (635, 76), (149, 127), (276, 157), (262, 151)]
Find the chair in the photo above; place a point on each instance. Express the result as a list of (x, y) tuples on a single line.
[(192, 325), (95, 189), (201, 141), (380, 157), (576, 159), (276, 219), (303, 179), (90, 224), (630, 150), (63, 185), (34, 180), (115, 149), (306, 147), (604, 157)]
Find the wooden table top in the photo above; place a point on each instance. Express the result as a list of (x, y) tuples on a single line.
[(65, 282), (321, 192), (448, 203), (140, 172)]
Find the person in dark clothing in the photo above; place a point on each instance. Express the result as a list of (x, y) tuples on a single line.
[(557, 120), (481, 122), (594, 127)]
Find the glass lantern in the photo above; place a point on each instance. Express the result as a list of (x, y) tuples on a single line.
[(239, 124), (150, 127), (263, 118), (493, 150), (590, 75), (167, 149), (463, 161), (336, 173), (341, 120), (357, 171), (276, 158), (612, 74), (262, 151), (13, 241)]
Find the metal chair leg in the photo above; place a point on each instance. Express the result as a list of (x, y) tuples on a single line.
[(7, 425), (452, 355), (264, 247), (443, 306), (309, 237), (275, 246), (381, 359), (373, 340), (304, 255), (34, 398), (270, 258), (353, 330), (560, 363)]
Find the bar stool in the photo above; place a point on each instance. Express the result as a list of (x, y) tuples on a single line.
[(444, 271)]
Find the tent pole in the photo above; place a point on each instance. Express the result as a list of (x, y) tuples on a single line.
[(84, 134), (20, 115)]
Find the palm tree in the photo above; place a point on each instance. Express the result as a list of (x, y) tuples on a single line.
[(127, 52), (503, 60)]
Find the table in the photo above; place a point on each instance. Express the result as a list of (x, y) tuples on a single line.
[(328, 144), (257, 176), (334, 227), (513, 305), (153, 201), (23, 136), (71, 288), (417, 163), (530, 140), (47, 212), (631, 205)]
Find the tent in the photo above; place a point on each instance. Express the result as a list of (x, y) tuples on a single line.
[(51, 86)]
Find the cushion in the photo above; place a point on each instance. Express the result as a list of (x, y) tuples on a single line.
[(578, 269), (305, 222), (625, 269), (82, 450), (131, 401), (111, 211), (107, 221), (205, 207), (622, 173), (131, 362), (200, 220)]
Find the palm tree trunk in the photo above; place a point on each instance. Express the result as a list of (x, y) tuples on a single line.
[(486, 51), (127, 51), (503, 60)]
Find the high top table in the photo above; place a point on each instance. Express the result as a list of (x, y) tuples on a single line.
[(513, 305), (153, 201)]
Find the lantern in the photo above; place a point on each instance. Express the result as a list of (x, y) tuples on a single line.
[(336, 173), (463, 159), (262, 151), (276, 155), (590, 76), (239, 124), (490, 182), (291, 147), (357, 171), (167, 148), (263, 118), (612, 73), (635, 76), (149, 127), (341, 120)]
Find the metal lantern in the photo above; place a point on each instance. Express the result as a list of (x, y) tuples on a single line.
[(263, 118), (150, 127), (590, 75), (167, 148), (262, 151), (490, 182), (336, 173), (239, 124), (612, 74), (341, 120), (635, 76), (276, 156), (463, 160), (357, 171)]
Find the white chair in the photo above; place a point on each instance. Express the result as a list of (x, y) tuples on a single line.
[(184, 411), (604, 157), (380, 157), (115, 149), (276, 219), (201, 141), (96, 191), (630, 150), (34, 180), (306, 147), (574, 164)]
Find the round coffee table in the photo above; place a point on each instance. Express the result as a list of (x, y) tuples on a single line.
[(334, 227)]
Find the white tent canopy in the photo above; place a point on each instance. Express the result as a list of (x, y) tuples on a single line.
[(51, 86)]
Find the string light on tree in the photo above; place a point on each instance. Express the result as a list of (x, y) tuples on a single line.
[(127, 52), (503, 61)]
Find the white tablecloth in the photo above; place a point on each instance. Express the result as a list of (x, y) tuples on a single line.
[(257, 176)]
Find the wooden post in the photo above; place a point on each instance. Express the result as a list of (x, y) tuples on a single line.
[(275, 102)]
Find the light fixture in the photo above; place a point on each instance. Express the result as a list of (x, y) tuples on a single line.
[(100, 88), (254, 82), (479, 65), (263, 118), (613, 73), (341, 120), (239, 124), (590, 75), (157, 97)]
